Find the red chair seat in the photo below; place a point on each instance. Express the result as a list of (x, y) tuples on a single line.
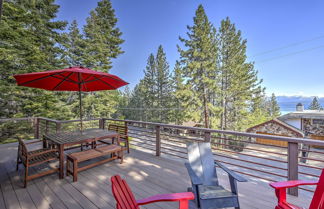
[(126, 200), (318, 198)]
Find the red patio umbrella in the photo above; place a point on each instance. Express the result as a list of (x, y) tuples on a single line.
[(71, 79)]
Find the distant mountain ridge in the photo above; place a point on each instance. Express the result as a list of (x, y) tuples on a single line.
[(288, 103)]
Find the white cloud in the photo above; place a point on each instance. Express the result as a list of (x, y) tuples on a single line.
[(300, 93)]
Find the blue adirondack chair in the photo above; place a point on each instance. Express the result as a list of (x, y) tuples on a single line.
[(202, 171)]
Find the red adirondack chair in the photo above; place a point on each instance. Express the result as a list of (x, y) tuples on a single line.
[(126, 200), (318, 198)]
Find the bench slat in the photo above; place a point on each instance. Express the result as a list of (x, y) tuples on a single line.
[(86, 155), (109, 148), (77, 157)]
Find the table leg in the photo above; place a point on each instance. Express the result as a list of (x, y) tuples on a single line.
[(61, 151), (44, 143)]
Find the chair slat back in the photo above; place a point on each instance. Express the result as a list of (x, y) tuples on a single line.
[(123, 194), (118, 128), (208, 163), (22, 148), (318, 198), (201, 161), (194, 159)]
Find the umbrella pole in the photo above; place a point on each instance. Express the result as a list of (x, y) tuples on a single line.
[(80, 104), (80, 101)]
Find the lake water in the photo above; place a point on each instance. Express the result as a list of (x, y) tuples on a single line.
[(288, 104)]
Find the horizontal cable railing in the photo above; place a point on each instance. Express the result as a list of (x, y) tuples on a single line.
[(12, 128), (240, 151)]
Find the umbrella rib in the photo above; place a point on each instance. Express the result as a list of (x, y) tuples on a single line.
[(82, 82), (60, 83), (107, 84), (116, 79), (85, 80), (96, 79), (70, 80), (104, 76), (37, 79), (110, 77)]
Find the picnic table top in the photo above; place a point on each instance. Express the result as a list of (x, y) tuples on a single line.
[(78, 136)]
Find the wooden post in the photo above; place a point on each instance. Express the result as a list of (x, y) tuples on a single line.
[(102, 123), (207, 136), (36, 127), (158, 141), (305, 153), (293, 166), (46, 126), (58, 127)]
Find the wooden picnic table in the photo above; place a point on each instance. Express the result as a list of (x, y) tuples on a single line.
[(65, 139)]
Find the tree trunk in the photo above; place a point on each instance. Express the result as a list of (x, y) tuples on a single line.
[(206, 112), (1, 5)]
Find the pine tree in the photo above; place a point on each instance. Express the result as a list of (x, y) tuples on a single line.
[(259, 110), (238, 77), (274, 109), (135, 109), (179, 96), (30, 40), (103, 37), (100, 104), (74, 46), (163, 86), (199, 63), (315, 105), (153, 94), (148, 89), (123, 110), (102, 40)]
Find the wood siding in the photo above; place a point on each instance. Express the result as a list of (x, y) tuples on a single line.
[(271, 142), (317, 138)]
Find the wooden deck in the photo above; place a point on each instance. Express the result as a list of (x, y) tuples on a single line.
[(146, 174)]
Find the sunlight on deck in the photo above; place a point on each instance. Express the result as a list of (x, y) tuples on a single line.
[(145, 173)]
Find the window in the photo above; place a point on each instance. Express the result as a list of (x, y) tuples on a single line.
[(318, 121)]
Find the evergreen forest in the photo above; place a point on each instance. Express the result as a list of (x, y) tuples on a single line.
[(212, 82)]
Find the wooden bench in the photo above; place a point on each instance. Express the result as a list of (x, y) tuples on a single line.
[(77, 157), (123, 133)]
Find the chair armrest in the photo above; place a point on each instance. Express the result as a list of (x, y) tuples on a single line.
[(230, 172), (289, 184), (167, 197), (124, 136), (41, 153), (194, 178), (37, 141)]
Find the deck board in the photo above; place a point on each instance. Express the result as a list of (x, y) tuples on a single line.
[(37, 197), (2, 203), (24, 198), (145, 173), (48, 194), (56, 185), (9, 195)]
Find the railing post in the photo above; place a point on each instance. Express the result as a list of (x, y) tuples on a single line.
[(102, 123), (207, 136), (58, 127), (36, 127), (46, 126), (158, 141), (293, 166)]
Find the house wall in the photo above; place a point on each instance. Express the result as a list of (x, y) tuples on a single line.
[(274, 128), (294, 122), (310, 129)]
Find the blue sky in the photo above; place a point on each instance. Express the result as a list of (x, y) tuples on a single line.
[(294, 26)]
